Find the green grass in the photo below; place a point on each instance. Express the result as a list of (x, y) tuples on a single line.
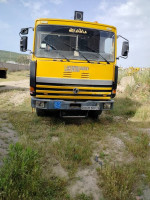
[(140, 77), (73, 152), (139, 146), (77, 141), (125, 106), (20, 172), (74, 147), (102, 155), (75, 144), (143, 77), (118, 182), (20, 177), (122, 182), (83, 197)]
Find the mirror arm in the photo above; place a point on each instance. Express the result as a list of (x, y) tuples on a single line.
[(31, 52), (31, 28), (122, 37), (117, 58)]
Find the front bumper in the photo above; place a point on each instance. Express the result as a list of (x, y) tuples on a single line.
[(48, 104)]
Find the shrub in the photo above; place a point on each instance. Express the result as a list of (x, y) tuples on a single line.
[(20, 177), (19, 174)]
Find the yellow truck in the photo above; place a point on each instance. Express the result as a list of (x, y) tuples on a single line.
[(73, 68)]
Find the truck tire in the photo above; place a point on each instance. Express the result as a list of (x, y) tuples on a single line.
[(40, 112), (94, 114)]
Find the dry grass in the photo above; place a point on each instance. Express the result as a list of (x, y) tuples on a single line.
[(16, 76)]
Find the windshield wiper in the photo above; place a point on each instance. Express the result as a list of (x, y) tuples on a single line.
[(53, 47), (98, 54), (77, 50)]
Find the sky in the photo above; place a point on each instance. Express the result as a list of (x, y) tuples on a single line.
[(130, 17)]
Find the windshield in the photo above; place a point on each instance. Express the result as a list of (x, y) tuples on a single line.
[(75, 43)]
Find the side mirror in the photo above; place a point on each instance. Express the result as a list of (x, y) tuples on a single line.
[(23, 43), (125, 49), (24, 31)]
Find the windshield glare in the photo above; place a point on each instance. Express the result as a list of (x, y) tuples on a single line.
[(73, 42)]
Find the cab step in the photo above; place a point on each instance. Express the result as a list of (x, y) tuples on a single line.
[(74, 114)]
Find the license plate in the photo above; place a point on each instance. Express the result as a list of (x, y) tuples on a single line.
[(40, 104), (90, 108)]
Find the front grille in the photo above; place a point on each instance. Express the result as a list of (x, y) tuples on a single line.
[(66, 92), (67, 74), (85, 75)]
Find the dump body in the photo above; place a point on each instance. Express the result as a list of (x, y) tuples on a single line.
[(77, 72)]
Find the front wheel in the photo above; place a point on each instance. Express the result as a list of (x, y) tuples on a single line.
[(94, 114)]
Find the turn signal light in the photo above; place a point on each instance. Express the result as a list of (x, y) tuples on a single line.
[(32, 91), (114, 92)]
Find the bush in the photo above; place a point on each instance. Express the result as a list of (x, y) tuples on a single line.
[(23, 59), (20, 177), (19, 174)]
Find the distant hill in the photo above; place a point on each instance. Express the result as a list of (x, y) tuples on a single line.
[(12, 57)]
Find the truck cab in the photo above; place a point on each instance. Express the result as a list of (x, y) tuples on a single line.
[(73, 68)]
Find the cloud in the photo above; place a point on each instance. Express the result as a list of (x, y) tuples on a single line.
[(26, 3), (132, 20), (37, 9), (57, 2), (3, 1), (127, 15)]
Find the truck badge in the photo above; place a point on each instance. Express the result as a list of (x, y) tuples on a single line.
[(77, 30), (75, 90), (75, 68)]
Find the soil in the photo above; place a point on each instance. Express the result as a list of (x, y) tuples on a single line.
[(12, 85), (113, 149), (86, 182), (58, 170)]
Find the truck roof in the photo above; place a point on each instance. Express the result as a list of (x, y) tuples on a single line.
[(73, 22)]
